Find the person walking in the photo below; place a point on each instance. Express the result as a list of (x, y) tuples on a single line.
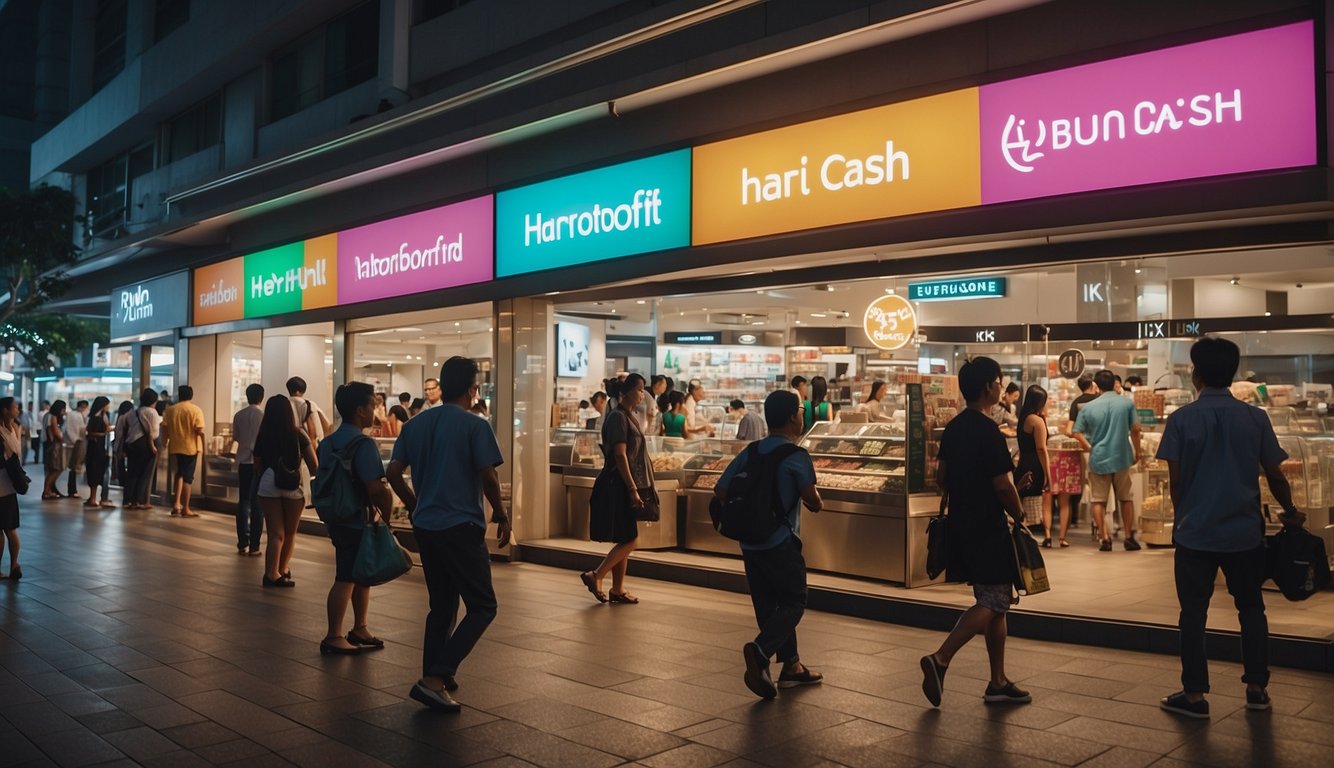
[(749, 426), (975, 476), (245, 429), (97, 459), (119, 472), (818, 408), (1213, 448), (1034, 459), (776, 569), (28, 426), (628, 473), (1108, 429), (281, 447), (75, 439), (11, 444), (141, 433), (53, 445), (355, 403), (183, 432), (455, 456)]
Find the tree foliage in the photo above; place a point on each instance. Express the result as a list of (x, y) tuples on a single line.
[(42, 338), (36, 246)]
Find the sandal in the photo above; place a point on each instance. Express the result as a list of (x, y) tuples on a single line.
[(1064, 543), (623, 597), (590, 580), (367, 642), (50, 496), (1046, 543)]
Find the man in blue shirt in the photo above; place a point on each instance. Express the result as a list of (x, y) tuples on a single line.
[(454, 456), (1108, 428), (356, 405), (775, 569), (1213, 448)]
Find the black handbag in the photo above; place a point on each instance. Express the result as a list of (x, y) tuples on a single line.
[(284, 478), (1295, 559), (652, 509), (937, 546), (17, 477)]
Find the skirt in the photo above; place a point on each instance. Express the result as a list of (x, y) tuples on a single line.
[(9, 512), (96, 463), (1067, 472), (613, 523)]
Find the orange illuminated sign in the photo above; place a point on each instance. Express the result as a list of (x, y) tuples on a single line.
[(219, 292), (890, 322), (904, 158)]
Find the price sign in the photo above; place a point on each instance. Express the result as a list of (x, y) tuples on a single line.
[(1071, 363)]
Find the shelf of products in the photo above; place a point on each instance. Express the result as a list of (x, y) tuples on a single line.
[(727, 373)]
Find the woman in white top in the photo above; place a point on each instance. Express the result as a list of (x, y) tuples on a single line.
[(141, 433), (11, 438), (874, 406)]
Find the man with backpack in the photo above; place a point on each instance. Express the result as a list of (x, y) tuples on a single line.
[(346, 451), (762, 492), (309, 417), (1213, 448)]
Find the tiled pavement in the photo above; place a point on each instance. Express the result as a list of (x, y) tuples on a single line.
[(135, 638)]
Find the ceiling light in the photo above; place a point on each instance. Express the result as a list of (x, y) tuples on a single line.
[(1267, 313), (1236, 280), (890, 291), (409, 357), (456, 325), (818, 314), (435, 365), (490, 330), (641, 301), (330, 341), (757, 322), (798, 322)]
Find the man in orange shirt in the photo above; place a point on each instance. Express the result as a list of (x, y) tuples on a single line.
[(183, 429)]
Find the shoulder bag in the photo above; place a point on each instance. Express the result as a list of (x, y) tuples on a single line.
[(651, 512), (285, 478), (17, 476), (937, 542), (380, 558)]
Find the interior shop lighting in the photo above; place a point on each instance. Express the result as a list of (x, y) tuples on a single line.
[(819, 314), (1236, 280)]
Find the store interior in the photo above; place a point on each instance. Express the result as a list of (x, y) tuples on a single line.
[(745, 343)]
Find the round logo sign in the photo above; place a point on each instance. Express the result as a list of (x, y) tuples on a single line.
[(1070, 364), (890, 322)]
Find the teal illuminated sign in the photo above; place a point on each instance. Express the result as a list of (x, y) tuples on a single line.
[(957, 289), (622, 210)]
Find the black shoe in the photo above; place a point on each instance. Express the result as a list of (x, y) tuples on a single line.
[(16, 573), (254, 552), (366, 642), (806, 676), (334, 650), (1006, 694), (1258, 701), (240, 549), (757, 672), (278, 582), (933, 679), (1132, 545), (434, 699), (1179, 704), (1106, 546), (451, 684)]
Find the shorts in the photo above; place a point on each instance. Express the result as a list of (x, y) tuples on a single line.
[(994, 597), (265, 488), (185, 465), (346, 541), (1100, 485), (9, 512)]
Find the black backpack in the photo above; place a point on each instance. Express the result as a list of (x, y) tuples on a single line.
[(750, 511), (1297, 563)]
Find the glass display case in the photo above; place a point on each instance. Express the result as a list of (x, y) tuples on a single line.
[(1156, 515), (576, 460), (865, 458)]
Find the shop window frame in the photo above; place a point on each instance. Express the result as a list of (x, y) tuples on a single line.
[(194, 129), (339, 55), (110, 25)]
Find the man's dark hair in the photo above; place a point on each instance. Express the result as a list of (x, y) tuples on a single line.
[(254, 394), (657, 379), (457, 376), (1011, 388), (147, 397), (404, 398), (1106, 380), (737, 405), (80, 404), (352, 396), (1216, 360), (797, 381), (779, 408), (296, 386), (599, 395), (1084, 383), (186, 392), (583, 403), (976, 376), (1134, 381)]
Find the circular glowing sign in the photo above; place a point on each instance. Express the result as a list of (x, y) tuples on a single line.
[(890, 322)]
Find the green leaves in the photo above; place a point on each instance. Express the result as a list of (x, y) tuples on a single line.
[(43, 338), (36, 246)]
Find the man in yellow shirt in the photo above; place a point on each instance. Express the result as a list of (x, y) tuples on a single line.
[(183, 429)]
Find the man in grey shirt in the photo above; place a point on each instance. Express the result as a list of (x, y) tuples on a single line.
[(750, 426), (245, 428)]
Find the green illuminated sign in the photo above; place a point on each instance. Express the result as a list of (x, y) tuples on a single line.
[(957, 289)]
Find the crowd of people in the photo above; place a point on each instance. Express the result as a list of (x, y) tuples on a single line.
[(1212, 447)]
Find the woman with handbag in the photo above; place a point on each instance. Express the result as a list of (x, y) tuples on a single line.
[(97, 460), (280, 449), (53, 448), (1034, 458), (141, 431), (623, 493), (11, 437)]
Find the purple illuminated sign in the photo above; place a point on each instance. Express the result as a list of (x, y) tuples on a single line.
[(440, 248), (1231, 105)]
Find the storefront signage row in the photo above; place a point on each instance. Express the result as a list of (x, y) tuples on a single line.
[(150, 306), (440, 248), (1230, 105)]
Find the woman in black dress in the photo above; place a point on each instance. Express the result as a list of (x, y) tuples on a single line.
[(97, 460), (11, 437), (1033, 458), (629, 474)]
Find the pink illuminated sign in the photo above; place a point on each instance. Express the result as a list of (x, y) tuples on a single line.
[(440, 248), (1230, 105)]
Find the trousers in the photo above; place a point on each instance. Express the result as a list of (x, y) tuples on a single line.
[(1195, 574), (457, 565), (777, 580)]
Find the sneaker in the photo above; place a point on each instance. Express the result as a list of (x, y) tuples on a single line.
[(1258, 700), (434, 699), (1106, 546), (1132, 545), (806, 676), (757, 672), (933, 679), (254, 552), (1179, 704), (1006, 694)]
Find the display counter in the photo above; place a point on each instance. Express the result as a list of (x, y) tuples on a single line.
[(576, 460)]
